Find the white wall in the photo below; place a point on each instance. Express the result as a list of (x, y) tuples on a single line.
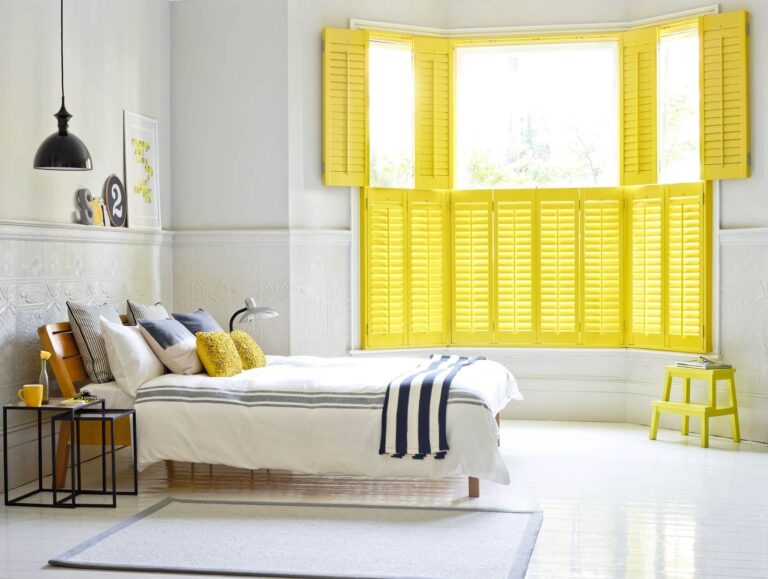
[(230, 114), (117, 57)]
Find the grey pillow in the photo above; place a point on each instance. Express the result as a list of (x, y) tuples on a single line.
[(198, 321), (86, 327), (173, 344), (137, 312)]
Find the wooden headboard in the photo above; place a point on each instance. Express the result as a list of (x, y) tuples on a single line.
[(66, 361)]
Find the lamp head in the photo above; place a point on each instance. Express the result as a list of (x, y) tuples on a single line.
[(255, 312)]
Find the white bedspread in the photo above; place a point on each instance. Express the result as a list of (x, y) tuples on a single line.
[(317, 415)]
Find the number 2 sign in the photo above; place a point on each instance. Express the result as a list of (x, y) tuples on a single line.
[(114, 196)]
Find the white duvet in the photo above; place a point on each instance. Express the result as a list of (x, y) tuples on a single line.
[(317, 415)]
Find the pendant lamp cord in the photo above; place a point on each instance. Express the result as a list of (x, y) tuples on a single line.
[(61, 52)]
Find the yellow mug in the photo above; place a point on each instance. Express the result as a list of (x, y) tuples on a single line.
[(31, 394)]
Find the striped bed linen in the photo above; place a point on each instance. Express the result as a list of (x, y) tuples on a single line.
[(319, 416)]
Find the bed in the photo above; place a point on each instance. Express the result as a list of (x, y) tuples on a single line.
[(299, 413)]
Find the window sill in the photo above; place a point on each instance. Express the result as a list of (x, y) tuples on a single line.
[(502, 350)]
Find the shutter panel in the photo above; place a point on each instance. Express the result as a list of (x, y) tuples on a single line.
[(428, 295), (686, 266), (601, 267), (472, 267), (385, 268), (515, 215), (638, 107), (345, 107), (433, 80), (558, 263), (646, 267), (724, 94)]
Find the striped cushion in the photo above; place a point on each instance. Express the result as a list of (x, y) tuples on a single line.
[(86, 327), (137, 312)]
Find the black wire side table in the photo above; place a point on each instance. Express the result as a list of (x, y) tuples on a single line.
[(112, 416), (69, 501)]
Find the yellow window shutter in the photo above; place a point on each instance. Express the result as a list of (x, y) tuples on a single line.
[(428, 268), (385, 268), (558, 266), (472, 267), (516, 306), (602, 236), (646, 277), (687, 266), (345, 107), (638, 107), (432, 60), (724, 94)]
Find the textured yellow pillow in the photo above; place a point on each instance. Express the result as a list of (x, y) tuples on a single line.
[(250, 353), (218, 354)]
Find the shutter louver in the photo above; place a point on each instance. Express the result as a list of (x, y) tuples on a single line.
[(646, 267), (345, 107), (432, 69), (515, 214), (558, 263), (686, 266), (601, 267), (638, 107), (472, 267), (724, 94), (385, 268), (428, 269)]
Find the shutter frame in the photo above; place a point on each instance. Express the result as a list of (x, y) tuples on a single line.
[(724, 53), (345, 107), (433, 70), (426, 271), (638, 141), (602, 240)]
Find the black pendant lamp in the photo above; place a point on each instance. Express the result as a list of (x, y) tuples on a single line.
[(63, 151)]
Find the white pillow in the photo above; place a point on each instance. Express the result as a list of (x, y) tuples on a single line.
[(131, 359), (173, 344)]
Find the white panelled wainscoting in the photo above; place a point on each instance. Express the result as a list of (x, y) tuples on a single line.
[(308, 276)]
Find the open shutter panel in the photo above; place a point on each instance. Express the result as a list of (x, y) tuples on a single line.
[(385, 269), (433, 77), (472, 267), (601, 267), (638, 107), (724, 93), (646, 267), (428, 301), (515, 215), (345, 107), (686, 266), (558, 263)]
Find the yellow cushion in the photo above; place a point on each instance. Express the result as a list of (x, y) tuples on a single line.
[(218, 354), (250, 352)]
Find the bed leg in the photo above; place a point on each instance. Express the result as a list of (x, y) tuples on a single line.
[(62, 456), (474, 487), (170, 469)]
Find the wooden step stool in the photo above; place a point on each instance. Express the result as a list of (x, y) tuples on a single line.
[(704, 411)]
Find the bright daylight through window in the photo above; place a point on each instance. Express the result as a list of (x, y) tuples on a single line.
[(537, 115), (391, 114), (679, 106)]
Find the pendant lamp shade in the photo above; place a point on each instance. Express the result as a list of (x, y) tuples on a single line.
[(63, 151)]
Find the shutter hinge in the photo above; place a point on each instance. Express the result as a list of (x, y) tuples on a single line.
[(747, 27), (367, 329), (749, 158)]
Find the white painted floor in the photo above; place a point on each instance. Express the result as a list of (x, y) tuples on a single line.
[(615, 504)]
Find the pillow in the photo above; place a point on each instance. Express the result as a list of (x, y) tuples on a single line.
[(137, 312), (86, 327), (218, 354), (173, 344), (198, 321), (251, 355), (130, 358)]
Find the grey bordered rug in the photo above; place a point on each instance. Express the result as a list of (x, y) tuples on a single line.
[(313, 540)]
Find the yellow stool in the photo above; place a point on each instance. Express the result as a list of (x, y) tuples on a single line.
[(704, 411)]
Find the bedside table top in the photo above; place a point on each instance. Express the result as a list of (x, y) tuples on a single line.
[(53, 404)]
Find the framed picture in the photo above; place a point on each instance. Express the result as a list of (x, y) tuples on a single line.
[(142, 177)]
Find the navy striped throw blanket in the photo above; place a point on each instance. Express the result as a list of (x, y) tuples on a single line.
[(413, 417)]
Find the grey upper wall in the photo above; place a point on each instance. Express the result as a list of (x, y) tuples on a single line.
[(292, 29), (117, 56)]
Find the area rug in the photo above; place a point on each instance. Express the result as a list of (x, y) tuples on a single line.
[(313, 540)]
